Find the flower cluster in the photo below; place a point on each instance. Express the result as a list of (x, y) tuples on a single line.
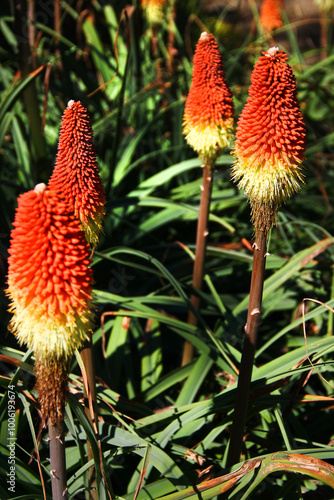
[(49, 278), (76, 173), (208, 121), (270, 14), (49, 274), (270, 138)]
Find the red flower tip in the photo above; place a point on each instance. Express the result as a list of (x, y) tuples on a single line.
[(209, 112), (270, 139), (270, 14), (75, 174), (49, 279)]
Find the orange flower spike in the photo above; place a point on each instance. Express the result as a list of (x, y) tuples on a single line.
[(270, 139), (208, 122), (270, 14), (49, 281), (75, 174)]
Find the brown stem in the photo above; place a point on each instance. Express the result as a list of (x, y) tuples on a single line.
[(90, 407), (24, 32), (57, 19), (57, 461), (248, 352), (57, 28), (201, 237), (323, 34), (31, 31), (171, 42)]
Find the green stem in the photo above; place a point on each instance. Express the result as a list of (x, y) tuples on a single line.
[(57, 461), (248, 352), (201, 237)]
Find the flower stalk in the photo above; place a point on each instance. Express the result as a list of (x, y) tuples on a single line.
[(76, 175), (49, 286), (90, 405), (270, 144), (57, 461), (326, 7), (208, 126), (24, 29), (249, 346), (202, 233)]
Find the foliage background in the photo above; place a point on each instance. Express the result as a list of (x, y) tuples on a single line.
[(134, 84)]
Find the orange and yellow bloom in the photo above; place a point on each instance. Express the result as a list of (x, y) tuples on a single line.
[(75, 175), (270, 14), (270, 138), (49, 278), (208, 121)]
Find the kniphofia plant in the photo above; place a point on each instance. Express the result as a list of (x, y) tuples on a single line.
[(208, 126), (269, 150), (49, 286)]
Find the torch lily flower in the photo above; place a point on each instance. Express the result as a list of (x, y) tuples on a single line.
[(75, 173), (208, 121), (270, 139), (49, 286), (154, 11), (49, 281), (270, 14)]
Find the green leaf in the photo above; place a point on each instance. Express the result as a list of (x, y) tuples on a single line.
[(290, 269)]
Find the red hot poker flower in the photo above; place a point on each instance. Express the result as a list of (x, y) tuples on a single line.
[(49, 279), (49, 285), (270, 139), (270, 14), (209, 112), (75, 174)]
